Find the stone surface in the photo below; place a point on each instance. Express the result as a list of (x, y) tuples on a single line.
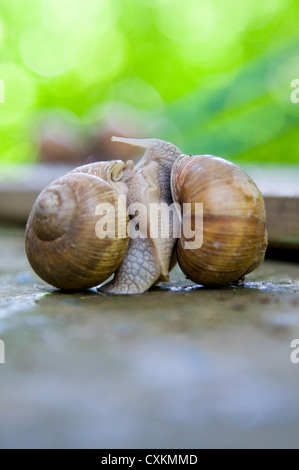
[(180, 366)]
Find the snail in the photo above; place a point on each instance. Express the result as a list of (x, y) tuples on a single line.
[(61, 244), (63, 248), (234, 237)]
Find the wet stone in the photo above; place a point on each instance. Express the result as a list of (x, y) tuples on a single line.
[(179, 366)]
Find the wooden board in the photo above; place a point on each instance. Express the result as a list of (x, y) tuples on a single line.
[(19, 187), (280, 188)]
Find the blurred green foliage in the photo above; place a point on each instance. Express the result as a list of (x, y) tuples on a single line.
[(213, 76)]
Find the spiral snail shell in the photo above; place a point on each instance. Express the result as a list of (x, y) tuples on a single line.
[(234, 237), (61, 243)]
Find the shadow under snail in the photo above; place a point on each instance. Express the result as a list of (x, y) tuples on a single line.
[(64, 250)]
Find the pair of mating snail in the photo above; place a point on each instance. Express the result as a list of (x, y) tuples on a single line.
[(64, 250)]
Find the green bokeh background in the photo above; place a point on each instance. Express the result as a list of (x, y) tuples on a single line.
[(212, 76)]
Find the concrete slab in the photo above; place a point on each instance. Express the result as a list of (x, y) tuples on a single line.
[(178, 367)]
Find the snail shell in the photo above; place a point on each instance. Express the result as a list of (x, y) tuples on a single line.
[(61, 243), (234, 233)]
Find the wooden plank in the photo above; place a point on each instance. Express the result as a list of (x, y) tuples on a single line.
[(280, 188), (20, 186), (283, 221), (15, 205)]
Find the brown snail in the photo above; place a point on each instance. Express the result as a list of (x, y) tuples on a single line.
[(64, 250), (61, 244), (234, 237)]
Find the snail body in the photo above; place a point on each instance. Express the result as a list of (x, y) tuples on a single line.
[(234, 234), (148, 260)]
